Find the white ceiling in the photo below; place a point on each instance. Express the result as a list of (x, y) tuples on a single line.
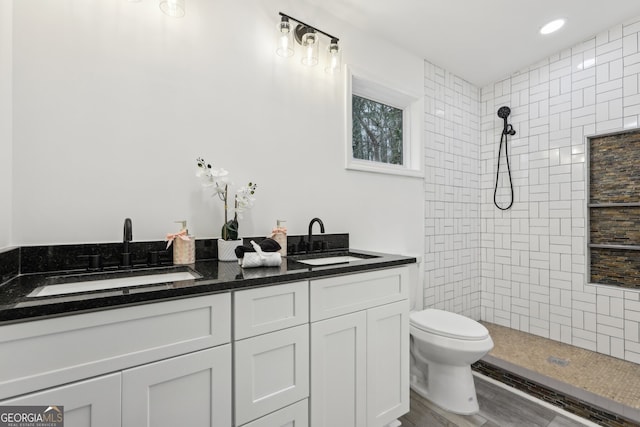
[(482, 41)]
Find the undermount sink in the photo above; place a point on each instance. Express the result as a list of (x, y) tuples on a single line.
[(68, 284), (329, 258)]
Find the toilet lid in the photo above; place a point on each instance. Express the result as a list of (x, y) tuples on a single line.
[(447, 324)]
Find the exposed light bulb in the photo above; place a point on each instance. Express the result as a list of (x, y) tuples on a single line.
[(285, 41), (310, 46), (333, 57)]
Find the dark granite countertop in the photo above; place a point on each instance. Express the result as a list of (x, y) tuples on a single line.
[(17, 306)]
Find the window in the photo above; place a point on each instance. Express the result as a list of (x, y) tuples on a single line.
[(383, 128), (376, 131)]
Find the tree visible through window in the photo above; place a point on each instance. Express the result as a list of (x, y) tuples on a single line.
[(377, 131)]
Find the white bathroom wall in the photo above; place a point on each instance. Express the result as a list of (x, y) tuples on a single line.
[(113, 101), (534, 276), (452, 193), (6, 150)]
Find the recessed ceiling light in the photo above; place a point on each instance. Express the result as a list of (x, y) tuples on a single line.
[(552, 26)]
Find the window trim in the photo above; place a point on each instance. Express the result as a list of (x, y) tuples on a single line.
[(360, 84)]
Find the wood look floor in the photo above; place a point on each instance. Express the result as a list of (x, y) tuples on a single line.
[(498, 408)]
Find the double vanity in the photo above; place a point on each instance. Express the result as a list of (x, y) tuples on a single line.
[(314, 342)]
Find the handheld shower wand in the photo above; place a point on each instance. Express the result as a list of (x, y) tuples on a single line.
[(507, 130), (503, 113)]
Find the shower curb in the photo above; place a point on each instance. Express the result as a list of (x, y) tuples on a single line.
[(580, 402)]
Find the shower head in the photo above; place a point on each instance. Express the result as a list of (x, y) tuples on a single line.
[(504, 112)]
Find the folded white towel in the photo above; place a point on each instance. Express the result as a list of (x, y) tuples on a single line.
[(259, 258)]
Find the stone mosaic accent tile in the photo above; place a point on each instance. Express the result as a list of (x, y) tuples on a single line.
[(615, 267), (615, 178), (614, 173), (618, 226)]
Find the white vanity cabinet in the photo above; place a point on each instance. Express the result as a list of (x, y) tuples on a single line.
[(360, 348), (146, 358), (327, 352), (271, 353)]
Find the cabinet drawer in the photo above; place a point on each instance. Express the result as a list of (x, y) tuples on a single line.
[(44, 353), (268, 309), (295, 415), (339, 295), (271, 371)]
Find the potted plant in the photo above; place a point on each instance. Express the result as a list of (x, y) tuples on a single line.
[(217, 179)]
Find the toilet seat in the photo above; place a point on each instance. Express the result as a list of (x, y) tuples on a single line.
[(447, 324)]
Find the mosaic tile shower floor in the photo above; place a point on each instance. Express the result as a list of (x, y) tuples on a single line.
[(603, 381), (603, 375)]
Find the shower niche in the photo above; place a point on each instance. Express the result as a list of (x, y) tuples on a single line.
[(614, 209)]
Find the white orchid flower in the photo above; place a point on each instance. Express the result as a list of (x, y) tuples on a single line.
[(217, 179)]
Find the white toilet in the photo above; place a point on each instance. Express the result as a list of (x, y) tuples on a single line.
[(443, 347)]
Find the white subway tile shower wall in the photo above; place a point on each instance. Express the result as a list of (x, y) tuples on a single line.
[(533, 256), (452, 193)]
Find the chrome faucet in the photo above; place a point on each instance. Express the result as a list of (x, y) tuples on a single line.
[(126, 239), (310, 238)]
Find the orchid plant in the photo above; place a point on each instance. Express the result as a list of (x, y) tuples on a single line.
[(218, 180)]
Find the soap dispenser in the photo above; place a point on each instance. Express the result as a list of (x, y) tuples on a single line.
[(184, 245), (279, 234)]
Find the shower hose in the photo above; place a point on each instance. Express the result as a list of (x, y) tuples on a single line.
[(503, 139)]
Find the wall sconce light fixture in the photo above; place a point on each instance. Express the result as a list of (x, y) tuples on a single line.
[(307, 37)]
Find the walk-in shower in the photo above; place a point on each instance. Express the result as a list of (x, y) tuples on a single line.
[(507, 131)]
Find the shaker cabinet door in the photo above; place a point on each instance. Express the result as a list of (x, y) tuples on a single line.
[(89, 403), (271, 371), (338, 370), (192, 390), (387, 363)]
